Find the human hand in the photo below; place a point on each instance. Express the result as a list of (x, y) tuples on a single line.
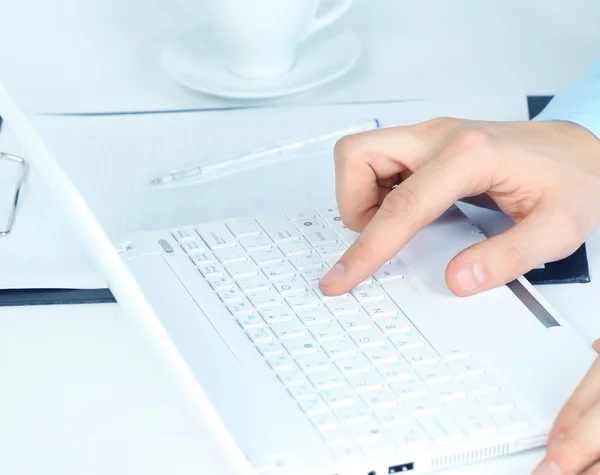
[(544, 175), (574, 441)]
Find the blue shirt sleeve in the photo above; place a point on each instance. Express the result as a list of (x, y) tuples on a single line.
[(579, 103)]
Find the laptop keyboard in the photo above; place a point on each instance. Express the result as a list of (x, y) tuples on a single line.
[(365, 377)]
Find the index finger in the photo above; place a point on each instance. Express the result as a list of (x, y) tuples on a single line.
[(368, 164), (415, 203)]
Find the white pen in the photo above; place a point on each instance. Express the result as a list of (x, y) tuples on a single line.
[(239, 162)]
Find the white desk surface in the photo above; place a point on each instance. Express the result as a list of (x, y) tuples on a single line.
[(80, 394), (102, 55)]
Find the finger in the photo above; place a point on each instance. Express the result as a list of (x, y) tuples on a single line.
[(535, 240), (415, 203), (586, 394), (596, 346), (367, 165), (577, 450)]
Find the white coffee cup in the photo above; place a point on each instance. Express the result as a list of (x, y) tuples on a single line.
[(260, 38)]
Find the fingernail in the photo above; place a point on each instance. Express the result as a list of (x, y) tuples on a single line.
[(470, 277), (335, 273), (547, 468), (554, 440)]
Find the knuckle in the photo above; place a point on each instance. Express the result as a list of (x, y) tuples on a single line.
[(471, 138), (439, 123), (401, 202), (567, 224), (345, 148), (576, 449), (515, 259)]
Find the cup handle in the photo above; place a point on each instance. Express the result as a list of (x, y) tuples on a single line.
[(329, 17)]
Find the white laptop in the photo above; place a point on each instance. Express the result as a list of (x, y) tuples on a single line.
[(397, 376)]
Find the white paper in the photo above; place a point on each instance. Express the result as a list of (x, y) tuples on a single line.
[(42, 251)]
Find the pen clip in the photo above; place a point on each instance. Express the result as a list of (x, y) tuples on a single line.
[(15, 200)]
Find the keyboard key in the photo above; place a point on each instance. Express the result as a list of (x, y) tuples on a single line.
[(238, 270), (316, 233), (368, 293), (278, 314), (278, 229), (381, 308), (303, 301), (216, 236), (344, 307), (407, 340), (301, 346), (193, 247), (421, 405), (255, 283), (185, 235), (305, 262), (203, 259), (265, 299), (270, 348), (301, 216), (302, 391), (379, 398), (348, 453), (513, 420), (279, 271), (466, 368), (314, 316), (331, 250), (449, 390), (232, 254), (281, 363), (378, 448), (336, 438), (409, 436), (393, 415), (340, 348), (313, 276), (313, 363), (242, 308), (251, 320), (288, 330), (368, 432), (333, 220), (328, 379), (471, 417), (331, 261), (392, 271), (327, 332), (418, 357), (339, 397), (266, 257), (441, 427), (382, 355), (292, 377), (372, 337), (297, 247), (481, 384), (330, 298), (347, 237), (242, 227), (496, 402), (230, 295), (395, 370), (368, 381), (353, 365), (255, 243), (290, 286), (221, 282), (354, 414), (211, 271), (454, 354), (313, 406), (324, 422), (392, 325), (409, 388), (356, 322), (436, 373)]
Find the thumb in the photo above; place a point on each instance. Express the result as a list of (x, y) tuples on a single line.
[(596, 346), (500, 259)]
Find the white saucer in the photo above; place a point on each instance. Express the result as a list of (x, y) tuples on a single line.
[(193, 59)]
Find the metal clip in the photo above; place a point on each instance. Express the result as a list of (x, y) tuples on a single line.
[(19, 184)]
